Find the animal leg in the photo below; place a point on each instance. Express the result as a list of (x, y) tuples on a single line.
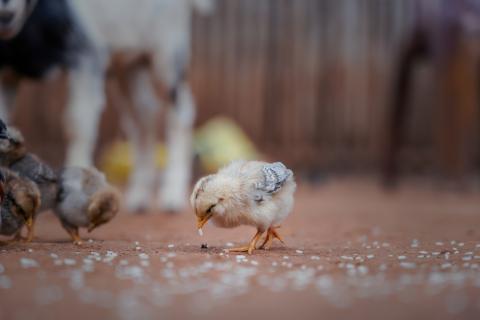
[(276, 235), (73, 232), (271, 234), (140, 124), (251, 246), (413, 49), (86, 102), (30, 229), (267, 242), (174, 191), (29, 223), (16, 238)]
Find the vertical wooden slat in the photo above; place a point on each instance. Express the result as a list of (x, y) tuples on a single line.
[(308, 80)]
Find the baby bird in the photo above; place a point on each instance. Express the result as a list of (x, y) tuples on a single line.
[(14, 155), (85, 200), (20, 200), (254, 193)]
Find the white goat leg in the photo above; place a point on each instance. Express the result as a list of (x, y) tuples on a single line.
[(86, 103), (142, 136), (174, 191)]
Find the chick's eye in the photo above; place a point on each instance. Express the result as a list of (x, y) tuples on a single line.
[(210, 208)]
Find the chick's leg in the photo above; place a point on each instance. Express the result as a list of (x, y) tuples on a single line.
[(30, 224), (271, 234), (267, 242), (73, 232), (75, 236), (18, 235), (251, 246), (276, 235)]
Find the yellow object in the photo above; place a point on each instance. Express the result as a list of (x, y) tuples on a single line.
[(220, 141), (117, 161), (217, 142)]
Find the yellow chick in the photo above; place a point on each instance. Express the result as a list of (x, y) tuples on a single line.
[(254, 193)]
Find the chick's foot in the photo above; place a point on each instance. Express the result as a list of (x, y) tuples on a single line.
[(251, 246), (29, 224), (271, 234), (73, 232), (17, 238)]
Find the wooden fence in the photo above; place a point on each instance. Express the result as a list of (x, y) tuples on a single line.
[(308, 80)]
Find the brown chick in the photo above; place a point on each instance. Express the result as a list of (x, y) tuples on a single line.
[(85, 200), (14, 155), (20, 200)]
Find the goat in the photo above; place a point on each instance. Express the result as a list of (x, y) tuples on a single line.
[(82, 36)]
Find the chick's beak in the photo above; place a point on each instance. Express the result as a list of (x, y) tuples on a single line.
[(201, 221)]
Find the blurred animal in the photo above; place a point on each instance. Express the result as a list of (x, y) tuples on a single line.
[(19, 202), (85, 200), (446, 34), (251, 193), (84, 37), (14, 155)]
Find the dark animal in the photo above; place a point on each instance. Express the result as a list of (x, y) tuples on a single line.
[(14, 156), (445, 34)]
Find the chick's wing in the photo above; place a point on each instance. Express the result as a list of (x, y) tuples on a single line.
[(33, 168), (273, 176)]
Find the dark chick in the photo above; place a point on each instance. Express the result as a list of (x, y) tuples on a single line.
[(20, 200), (14, 155)]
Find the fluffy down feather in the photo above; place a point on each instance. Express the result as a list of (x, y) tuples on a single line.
[(252, 193), (85, 199), (19, 202)]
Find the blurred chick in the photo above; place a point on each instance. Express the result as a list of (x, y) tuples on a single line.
[(14, 155), (253, 193), (20, 200), (85, 200)]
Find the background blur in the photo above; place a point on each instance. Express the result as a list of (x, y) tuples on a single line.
[(312, 83), (309, 81)]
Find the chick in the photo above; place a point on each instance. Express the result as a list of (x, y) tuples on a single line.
[(14, 155), (85, 200), (20, 200), (253, 193)]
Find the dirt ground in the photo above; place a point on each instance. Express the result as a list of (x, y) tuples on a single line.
[(353, 251)]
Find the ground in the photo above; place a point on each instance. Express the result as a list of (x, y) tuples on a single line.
[(353, 251)]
